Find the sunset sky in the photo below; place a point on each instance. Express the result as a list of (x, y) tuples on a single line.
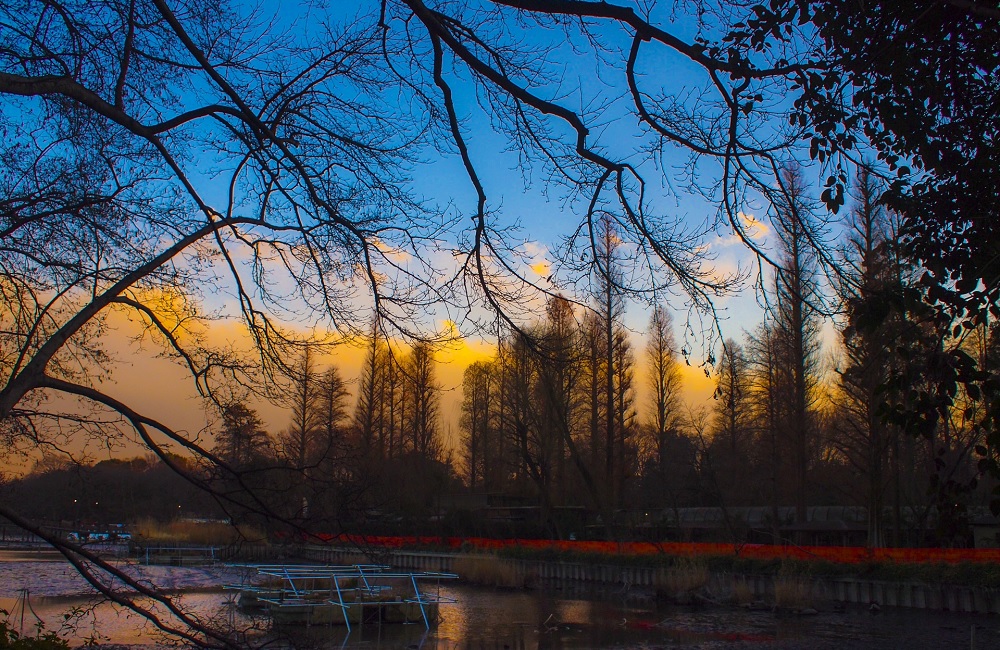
[(519, 197), (164, 390)]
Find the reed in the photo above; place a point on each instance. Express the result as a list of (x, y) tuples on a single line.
[(743, 593), (683, 578), (793, 592), (190, 532), (490, 570)]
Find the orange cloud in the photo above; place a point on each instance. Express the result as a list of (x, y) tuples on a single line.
[(538, 259), (392, 252), (542, 269), (753, 227)]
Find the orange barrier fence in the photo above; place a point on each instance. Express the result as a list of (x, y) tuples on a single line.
[(841, 554)]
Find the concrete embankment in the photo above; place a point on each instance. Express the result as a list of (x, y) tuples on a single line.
[(955, 598)]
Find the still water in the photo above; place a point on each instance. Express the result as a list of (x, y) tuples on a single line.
[(482, 619)]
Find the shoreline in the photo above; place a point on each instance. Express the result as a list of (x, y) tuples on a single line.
[(721, 585)]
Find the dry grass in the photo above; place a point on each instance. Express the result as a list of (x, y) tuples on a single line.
[(793, 593), (189, 532), (687, 576), (490, 570), (743, 593)]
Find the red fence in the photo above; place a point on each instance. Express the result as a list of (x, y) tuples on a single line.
[(841, 554)]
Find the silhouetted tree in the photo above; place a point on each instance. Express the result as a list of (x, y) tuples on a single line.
[(732, 392), (664, 382), (478, 435), (332, 412), (369, 408), (732, 428), (769, 451), (300, 442), (421, 388), (796, 329), (519, 413), (241, 440), (613, 361), (871, 295), (558, 372)]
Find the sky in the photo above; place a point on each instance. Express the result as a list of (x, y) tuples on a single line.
[(517, 195), (165, 392)]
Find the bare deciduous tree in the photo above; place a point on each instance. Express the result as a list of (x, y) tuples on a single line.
[(664, 380), (160, 154), (796, 328), (421, 416), (478, 403)]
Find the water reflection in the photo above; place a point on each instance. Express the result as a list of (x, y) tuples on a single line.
[(31, 555), (479, 620), (89, 620), (548, 621), (486, 619), (512, 620)]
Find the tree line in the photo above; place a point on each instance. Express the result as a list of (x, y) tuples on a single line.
[(339, 463), (552, 415)]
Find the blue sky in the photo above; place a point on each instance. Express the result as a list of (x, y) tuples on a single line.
[(544, 211), (545, 216)]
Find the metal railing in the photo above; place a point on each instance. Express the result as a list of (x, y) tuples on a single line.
[(284, 588)]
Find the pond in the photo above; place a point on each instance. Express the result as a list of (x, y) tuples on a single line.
[(571, 618)]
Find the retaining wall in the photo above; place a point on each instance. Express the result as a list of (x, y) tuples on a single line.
[(955, 598)]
